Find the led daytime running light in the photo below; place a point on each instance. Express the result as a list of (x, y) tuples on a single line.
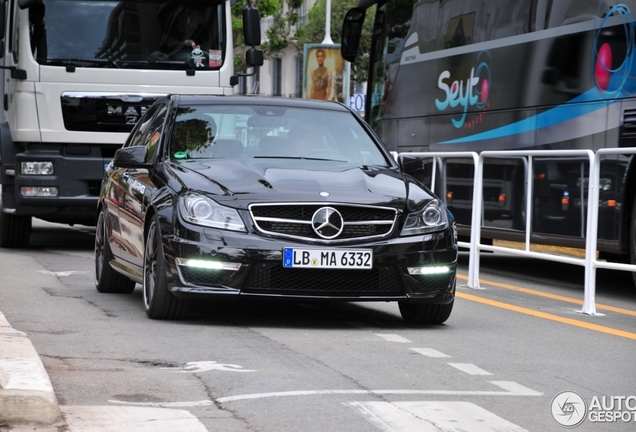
[(210, 265), (428, 270)]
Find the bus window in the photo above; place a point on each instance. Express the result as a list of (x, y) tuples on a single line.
[(575, 11)]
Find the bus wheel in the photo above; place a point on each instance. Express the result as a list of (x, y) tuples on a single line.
[(632, 241)]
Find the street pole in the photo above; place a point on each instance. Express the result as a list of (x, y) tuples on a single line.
[(327, 40)]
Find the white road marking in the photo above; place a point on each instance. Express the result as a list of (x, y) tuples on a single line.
[(80, 254), (469, 368), (429, 352), (206, 366), (515, 388), (393, 338), (131, 419), (509, 389), (432, 416), (63, 273)]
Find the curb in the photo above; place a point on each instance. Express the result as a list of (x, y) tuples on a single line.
[(26, 393)]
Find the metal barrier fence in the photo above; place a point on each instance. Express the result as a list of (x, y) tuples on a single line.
[(590, 262)]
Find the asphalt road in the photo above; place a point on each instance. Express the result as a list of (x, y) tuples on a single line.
[(501, 362)]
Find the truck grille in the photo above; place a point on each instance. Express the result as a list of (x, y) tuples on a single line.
[(103, 111)]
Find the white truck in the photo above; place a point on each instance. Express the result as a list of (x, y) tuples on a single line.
[(77, 76)]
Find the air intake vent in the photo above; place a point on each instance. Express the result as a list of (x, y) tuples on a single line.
[(629, 123)]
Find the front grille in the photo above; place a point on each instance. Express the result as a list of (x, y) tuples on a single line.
[(434, 283), (203, 277), (272, 278), (295, 221), (103, 111)]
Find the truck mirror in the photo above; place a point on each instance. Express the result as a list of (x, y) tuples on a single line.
[(251, 26), (25, 4), (351, 33), (254, 57), (3, 15)]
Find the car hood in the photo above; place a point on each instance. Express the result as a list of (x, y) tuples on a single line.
[(238, 183)]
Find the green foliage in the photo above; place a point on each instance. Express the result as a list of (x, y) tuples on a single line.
[(284, 17), (192, 135), (314, 32), (278, 34)]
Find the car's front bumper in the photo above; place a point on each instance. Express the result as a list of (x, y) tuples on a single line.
[(261, 272)]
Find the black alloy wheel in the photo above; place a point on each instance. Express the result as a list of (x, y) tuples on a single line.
[(158, 302), (107, 280)]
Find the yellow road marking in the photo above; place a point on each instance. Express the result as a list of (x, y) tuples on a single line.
[(552, 296), (548, 316)]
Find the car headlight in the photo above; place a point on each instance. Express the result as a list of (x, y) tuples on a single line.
[(201, 210), (431, 218)]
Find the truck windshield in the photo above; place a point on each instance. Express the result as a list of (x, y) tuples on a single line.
[(129, 34)]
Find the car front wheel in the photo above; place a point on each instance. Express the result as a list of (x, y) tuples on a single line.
[(159, 303), (107, 280)]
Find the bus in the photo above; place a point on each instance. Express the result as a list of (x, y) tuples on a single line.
[(476, 75)]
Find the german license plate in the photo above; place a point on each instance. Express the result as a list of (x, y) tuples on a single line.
[(328, 258)]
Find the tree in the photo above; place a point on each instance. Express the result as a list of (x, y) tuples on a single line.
[(314, 32), (285, 16)]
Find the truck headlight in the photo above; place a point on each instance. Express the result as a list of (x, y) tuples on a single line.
[(37, 168), (431, 218)]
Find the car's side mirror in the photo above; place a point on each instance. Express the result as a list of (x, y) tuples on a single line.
[(131, 157)]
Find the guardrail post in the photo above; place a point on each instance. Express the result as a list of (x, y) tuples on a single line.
[(475, 223), (589, 293)]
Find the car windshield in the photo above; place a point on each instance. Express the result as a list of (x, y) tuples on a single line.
[(229, 131), (128, 34)]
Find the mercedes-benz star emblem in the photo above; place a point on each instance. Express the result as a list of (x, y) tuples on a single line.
[(327, 222)]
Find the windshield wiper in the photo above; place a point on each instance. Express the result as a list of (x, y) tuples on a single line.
[(81, 62)]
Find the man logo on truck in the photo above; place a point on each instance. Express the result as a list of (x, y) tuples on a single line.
[(472, 92), (132, 113)]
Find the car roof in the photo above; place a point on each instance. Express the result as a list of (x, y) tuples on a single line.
[(182, 99)]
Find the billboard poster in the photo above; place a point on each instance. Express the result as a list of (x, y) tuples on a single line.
[(326, 73)]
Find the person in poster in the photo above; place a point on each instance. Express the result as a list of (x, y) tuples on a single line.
[(321, 79), (326, 74)]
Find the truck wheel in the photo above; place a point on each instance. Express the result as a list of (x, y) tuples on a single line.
[(107, 280), (14, 230)]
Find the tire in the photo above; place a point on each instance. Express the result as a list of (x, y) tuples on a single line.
[(425, 313), (158, 301), (632, 240), (14, 230), (107, 280)]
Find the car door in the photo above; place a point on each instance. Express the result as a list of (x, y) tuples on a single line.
[(136, 186)]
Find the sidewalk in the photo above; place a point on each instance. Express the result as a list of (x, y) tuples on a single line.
[(28, 402), (27, 398)]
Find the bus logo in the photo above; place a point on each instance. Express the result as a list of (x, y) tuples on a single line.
[(472, 92)]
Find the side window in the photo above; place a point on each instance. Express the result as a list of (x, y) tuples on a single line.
[(14, 31), (139, 132), (155, 131)]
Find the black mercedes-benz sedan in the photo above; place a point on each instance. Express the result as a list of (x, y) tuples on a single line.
[(214, 197)]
